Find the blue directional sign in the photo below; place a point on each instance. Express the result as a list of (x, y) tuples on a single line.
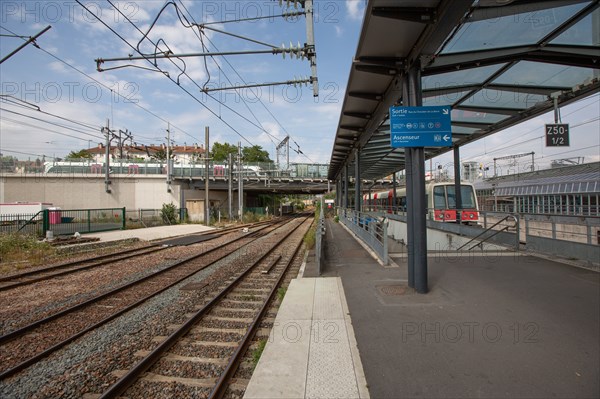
[(420, 126)]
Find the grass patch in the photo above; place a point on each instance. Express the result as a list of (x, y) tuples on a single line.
[(311, 237), (281, 293), (24, 249), (257, 352)]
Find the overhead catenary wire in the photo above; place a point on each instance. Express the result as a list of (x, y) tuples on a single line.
[(510, 143), (244, 81), (171, 79), (147, 57), (48, 122), (46, 129), (128, 100)]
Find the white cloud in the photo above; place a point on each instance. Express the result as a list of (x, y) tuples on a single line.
[(355, 9), (339, 32)]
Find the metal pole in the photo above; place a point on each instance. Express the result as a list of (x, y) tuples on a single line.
[(206, 165), (357, 186), (457, 193), (107, 158), (394, 192), (168, 156), (410, 221), (346, 184), (230, 187), (310, 45), (240, 183), (30, 40), (419, 205)]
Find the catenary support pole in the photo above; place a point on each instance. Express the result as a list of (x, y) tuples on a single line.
[(206, 175), (230, 187), (240, 183)]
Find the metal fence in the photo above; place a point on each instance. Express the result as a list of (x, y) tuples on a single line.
[(371, 230), (154, 217), (64, 221), (320, 232)]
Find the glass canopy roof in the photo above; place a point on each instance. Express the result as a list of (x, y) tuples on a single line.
[(496, 63)]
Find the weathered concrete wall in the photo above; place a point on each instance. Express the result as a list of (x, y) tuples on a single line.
[(72, 192)]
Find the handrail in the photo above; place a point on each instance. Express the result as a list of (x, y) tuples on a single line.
[(488, 229)]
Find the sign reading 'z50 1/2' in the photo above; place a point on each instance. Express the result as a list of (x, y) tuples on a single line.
[(557, 135)]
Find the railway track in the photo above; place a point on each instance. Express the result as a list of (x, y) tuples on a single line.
[(29, 344), (40, 274), (201, 357)]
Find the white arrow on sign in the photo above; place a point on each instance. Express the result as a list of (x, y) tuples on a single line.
[(446, 138), (445, 111)]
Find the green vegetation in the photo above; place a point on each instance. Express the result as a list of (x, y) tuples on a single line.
[(78, 155), (169, 213), (220, 153), (257, 352), (281, 293), (24, 248), (311, 237)]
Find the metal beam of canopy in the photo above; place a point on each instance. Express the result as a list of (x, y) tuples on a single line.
[(455, 41), (464, 49)]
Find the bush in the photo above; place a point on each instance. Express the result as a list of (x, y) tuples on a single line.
[(250, 217), (311, 237), (16, 247), (168, 213)]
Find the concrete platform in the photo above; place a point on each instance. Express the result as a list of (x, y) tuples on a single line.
[(492, 325), (151, 233), (312, 351)]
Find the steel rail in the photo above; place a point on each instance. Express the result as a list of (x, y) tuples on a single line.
[(222, 383), (23, 330), (48, 273), (217, 233), (119, 387)]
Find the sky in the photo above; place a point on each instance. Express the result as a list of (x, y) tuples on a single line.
[(55, 101)]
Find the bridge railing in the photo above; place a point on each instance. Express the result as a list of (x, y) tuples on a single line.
[(193, 169)]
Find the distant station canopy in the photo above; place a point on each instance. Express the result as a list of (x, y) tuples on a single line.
[(496, 63)]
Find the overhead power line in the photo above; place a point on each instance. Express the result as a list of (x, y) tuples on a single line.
[(108, 88)]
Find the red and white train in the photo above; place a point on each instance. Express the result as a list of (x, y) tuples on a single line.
[(440, 197)]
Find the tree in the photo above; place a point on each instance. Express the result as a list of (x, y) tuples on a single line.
[(220, 152), (255, 154), (161, 155), (76, 155)]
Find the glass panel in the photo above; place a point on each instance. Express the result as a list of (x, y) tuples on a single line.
[(478, 117), (444, 98), (460, 78), (439, 197), (579, 34), (463, 130), (467, 197), (503, 99), (527, 73), (511, 30)]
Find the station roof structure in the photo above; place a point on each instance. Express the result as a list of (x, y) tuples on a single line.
[(495, 62)]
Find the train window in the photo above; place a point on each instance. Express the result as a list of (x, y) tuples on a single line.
[(439, 197), (466, 194)]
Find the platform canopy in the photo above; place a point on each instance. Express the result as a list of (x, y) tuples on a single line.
[(495, 62)]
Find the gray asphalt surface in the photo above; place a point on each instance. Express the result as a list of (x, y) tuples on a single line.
[(491, 326)]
